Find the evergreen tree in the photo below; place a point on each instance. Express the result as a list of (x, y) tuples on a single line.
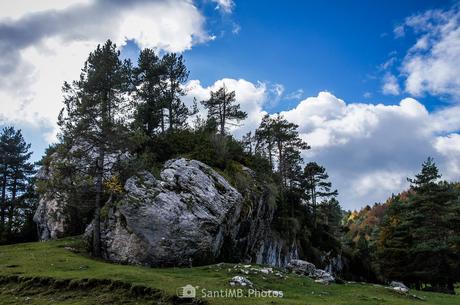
[(331, 214), (316, 186), (287, 141), (277, 136), (150, 105), (433, 258), (264, 137), (418, 239), (15, 171), (292, 170), (93, 121), (394, 242), (175, 75), (223, 108), (248, 143)]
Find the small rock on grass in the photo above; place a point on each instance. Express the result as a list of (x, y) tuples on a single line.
[(240, 281)]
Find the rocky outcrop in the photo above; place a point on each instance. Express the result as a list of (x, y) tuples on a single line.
[(49, 216), (188, 215), (334, 264), (55, 216), (50, 219), (308, 269), (179, 219), (191, 215), (398, 286), (240, 281)]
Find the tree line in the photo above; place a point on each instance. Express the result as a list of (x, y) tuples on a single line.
[(413, 237)]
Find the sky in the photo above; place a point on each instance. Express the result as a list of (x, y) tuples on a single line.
[(373, 85)]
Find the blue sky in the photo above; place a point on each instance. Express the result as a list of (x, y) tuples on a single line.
[(373, 85), (336, 46)]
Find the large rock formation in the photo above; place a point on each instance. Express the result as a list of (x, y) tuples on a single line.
[(191, 215), (49, 216)]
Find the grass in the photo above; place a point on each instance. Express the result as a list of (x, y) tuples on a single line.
[(99, 282)]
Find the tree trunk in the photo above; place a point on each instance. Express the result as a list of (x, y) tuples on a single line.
[(281, 164), (222, 119), (3, 207), (171, 106), (170, 118), (270, 154), (97, 207), (313, 201), (162, 120), (11, 207)]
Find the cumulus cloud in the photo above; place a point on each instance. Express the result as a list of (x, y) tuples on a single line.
[(430, 65), (250, 96), (370, 150), (44, 43)]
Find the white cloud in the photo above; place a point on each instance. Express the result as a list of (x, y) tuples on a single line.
[(44, 43), (369, 150), (250, 96), (449, 147), (367, 94), (295, 95), (278, 90), (430, 65), (225, 5), (390, 85), (18, 8), (399, 31)]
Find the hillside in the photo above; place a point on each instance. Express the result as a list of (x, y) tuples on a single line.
[(59, 273)]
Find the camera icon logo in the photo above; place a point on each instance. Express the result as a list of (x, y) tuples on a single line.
[(187, 291)]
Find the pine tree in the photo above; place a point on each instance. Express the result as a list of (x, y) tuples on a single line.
[(432, 255), (150, 105), (418, 239), (15, 171), (248, 143), (264, 137), (93, 121), (316, 186), (287, 141), (223, 108), (279, 137), (175, 75)]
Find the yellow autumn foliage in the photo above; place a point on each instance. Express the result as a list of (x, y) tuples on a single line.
[(113, 185)]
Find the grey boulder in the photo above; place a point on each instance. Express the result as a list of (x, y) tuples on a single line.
[(180, 219)]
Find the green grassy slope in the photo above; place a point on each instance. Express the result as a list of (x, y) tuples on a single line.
[(56, 260)]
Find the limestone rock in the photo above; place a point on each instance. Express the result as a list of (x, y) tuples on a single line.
[(50, 219), (308, 269), (398, 286), (240, 281), (175, 220)]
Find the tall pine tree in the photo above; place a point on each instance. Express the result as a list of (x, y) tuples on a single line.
[(175, 75), (150, 104), (223, 108), (93, 120), (15, 172), (316, 186)]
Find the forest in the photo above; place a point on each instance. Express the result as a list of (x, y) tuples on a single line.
[(120, 118)]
